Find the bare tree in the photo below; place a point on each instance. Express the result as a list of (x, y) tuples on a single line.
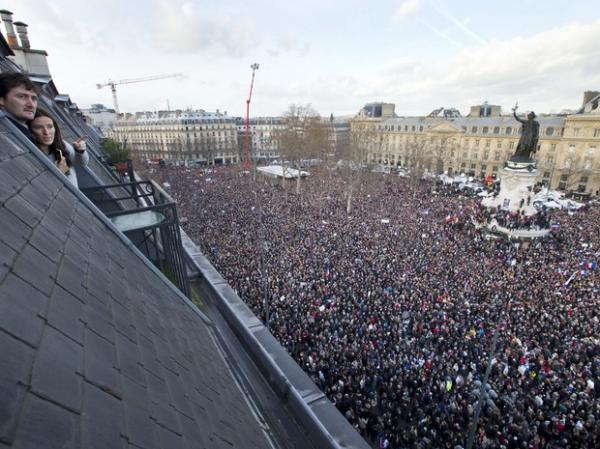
[(354, 155), (304, 137), (576, 172), (443, 151), (418, 158)]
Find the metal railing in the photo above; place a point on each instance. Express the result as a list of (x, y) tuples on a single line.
[(151, 221)]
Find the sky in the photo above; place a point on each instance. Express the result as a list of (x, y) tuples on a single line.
[(334, 55)]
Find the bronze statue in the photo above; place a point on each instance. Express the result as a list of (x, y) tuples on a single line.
[(530, 133)]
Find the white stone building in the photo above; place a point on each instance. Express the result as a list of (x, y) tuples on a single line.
[(180, 136)]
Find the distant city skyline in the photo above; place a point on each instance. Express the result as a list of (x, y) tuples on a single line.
[(337, 56)]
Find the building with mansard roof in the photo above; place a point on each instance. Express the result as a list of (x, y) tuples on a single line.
[(180, 136), (262, 139), (568, 158)]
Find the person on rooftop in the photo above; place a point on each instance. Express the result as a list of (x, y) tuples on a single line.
[(48, 139), (19, 100)]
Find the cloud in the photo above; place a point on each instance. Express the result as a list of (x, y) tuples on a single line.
[(402, 66), (460, 25), (286, 43), (531, 69), (405, 10), (551, 54), (181, 27), (440, 33)]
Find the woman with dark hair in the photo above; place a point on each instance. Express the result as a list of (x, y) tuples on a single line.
[(47, 136)]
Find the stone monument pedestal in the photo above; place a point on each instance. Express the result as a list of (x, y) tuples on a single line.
[(516, 188)]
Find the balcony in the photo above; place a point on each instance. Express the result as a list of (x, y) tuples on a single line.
[(147, 215)]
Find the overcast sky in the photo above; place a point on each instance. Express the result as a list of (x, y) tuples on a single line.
[(336, 55)]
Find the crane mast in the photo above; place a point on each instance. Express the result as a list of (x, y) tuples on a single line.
[(113, 84), (247, 162)]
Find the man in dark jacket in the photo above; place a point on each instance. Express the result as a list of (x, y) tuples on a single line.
[(19, 100)]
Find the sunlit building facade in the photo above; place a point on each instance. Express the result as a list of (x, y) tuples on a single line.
[(478, 144)]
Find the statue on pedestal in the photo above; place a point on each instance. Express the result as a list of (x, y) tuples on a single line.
[(530, 134)]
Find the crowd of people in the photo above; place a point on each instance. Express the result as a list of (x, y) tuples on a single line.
[(515, 220), (401, 308), (395, 312)]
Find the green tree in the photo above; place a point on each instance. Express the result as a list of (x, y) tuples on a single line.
[(116, 151)]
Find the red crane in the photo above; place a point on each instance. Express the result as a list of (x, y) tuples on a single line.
[(247, 161)]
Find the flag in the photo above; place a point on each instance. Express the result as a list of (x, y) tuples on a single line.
[(571, 278)]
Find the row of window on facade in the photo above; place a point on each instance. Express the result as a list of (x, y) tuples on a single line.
[(509, 130)]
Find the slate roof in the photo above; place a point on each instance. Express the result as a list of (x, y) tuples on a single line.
[(97, 349)]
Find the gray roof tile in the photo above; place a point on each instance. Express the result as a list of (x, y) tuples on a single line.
[(57, 368), (194, 433), (65, 313), (100, 361), (40, 202), (23, 210), (10, 185), (123, 321), (102, 420), (169, 439), (21, 168), (11, 149), (128, 357), (98, 318), (15, 231), (157, 387), (178, 394), (139, 425), (15, 366), (20, 309), (71, 274), (7, 256), (35, 268), (166, 416), (47, 425), (47, 244)]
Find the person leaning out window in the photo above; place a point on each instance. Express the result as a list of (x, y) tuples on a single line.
[(47, 137)]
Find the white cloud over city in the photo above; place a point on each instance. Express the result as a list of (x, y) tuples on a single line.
[(334, 54), (406, 9), (189, 27)]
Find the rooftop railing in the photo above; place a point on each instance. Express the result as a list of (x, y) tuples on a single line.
[(148, 216)]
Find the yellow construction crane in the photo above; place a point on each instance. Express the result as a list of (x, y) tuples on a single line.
[(113, 84)]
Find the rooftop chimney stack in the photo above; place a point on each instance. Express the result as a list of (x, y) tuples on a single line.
[(11, 37), (22, 31), (30, 60)]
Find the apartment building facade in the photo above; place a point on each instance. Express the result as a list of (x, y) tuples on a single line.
[(568, 158), (180, 136), (263, 144)]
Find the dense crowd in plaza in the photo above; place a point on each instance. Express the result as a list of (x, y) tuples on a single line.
[(393, 309), (514, 220)]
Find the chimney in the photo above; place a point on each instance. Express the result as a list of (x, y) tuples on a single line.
[(22, 31), (11, 37), (588, 95)]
